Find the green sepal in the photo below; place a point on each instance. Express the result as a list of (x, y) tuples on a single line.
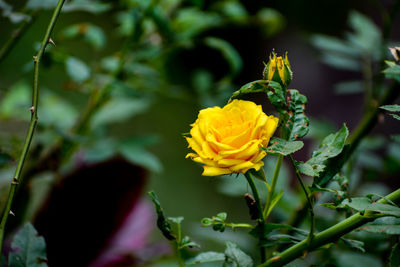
[(260, 174)]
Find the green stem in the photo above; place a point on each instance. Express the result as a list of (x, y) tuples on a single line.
[(33, 122), (16, 35), (329, 235), (239, 225), (271, 189), (261, 220), (178, 245), (309, 201), (369, 120), (366, 124), (256, 195)]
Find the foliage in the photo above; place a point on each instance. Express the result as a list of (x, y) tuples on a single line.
[(117, 80)]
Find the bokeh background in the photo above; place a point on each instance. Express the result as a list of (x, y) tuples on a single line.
[(126, 79)]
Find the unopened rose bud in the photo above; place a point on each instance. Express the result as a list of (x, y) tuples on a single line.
[(278, 69)]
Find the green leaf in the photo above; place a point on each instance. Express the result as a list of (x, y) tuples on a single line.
[(331, 146), (273, 90), (270, 20), (187, 242), (386, 225), (397, 117), (393, 71), (266, 229), (367, 36), (189, 22), (363, 204), (334, 46), (205, 257), (77, 69), (176, 220), (278, 239), (31, 248), (341, 62), (282, 147), (392, 108), (142, 157), (229, 52), (349, 87), (355, 259), (76, 5), (5, 159), (359, 245), (310, 169), (235, 257), (260, 174), (56, 111), (296, 121), (119, 109), (92, 34), (395, 256), (162, 223), (16, 101), (217, 222)]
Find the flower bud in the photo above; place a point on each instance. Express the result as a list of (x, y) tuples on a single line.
[(278, 69)]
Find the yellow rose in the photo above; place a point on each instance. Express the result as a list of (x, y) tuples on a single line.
[(228, 140)]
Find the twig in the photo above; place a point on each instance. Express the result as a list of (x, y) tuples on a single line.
[(309, 201), (16, 35), (329, 235), (261, 219), (366, 124), (271, 189), (33, 122)]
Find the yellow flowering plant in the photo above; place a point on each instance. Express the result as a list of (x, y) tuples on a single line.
[(235, 139)]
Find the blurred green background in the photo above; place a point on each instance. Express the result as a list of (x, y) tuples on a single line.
[(128, 78)]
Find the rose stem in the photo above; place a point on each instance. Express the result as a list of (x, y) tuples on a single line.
[(271, 189), (327, 236), (261, 220), (309, 201), (33, 122)]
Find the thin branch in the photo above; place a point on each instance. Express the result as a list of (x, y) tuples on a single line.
[(309, 201), (328, 236), (33, 122), (271, 189), (16, 35), (261, 219)]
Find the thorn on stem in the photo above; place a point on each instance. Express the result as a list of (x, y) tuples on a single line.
[(14, 181), (52, 42), (35, 58), (32, 109), (12, 213)]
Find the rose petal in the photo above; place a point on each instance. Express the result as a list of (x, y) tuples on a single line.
[(215, 171)]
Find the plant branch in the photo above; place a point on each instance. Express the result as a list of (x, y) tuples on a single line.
[(33, 122), (309, 201), (366, 124), (16, 35), (271, 189), (261, 219), (329, 235)]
